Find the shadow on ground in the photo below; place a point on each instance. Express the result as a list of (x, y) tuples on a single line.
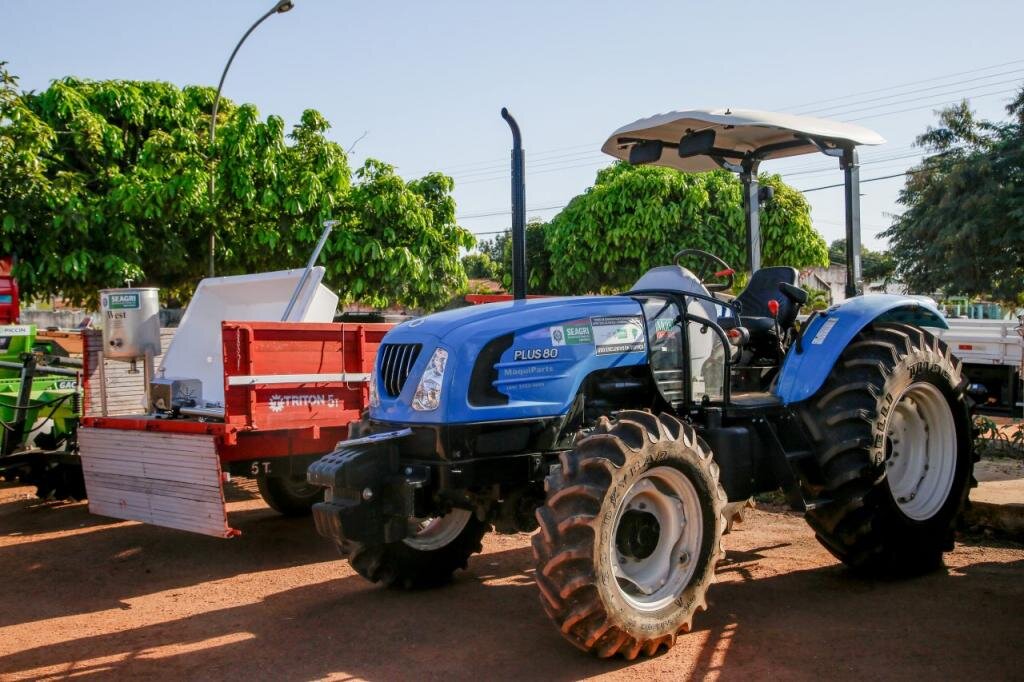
[(765, 620), (488, 625)]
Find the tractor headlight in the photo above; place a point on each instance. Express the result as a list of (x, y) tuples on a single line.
[(374, 396), (428, 392)]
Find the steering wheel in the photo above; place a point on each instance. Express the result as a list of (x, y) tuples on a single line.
[(710, 265)]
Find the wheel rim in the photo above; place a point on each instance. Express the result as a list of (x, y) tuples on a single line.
[(921, 451), (436, 532), (658, 533)]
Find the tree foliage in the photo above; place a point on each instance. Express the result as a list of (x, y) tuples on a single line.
[(480, 266), (101, 182), (538, 258), (638, 217), (876, 266), (963, 228)]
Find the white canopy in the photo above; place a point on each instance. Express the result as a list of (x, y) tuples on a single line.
[(740, 131)]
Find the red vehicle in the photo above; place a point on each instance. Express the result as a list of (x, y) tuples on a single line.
[(9, 304), (290, 391)]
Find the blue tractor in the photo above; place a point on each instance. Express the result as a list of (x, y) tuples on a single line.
[(623, 427)]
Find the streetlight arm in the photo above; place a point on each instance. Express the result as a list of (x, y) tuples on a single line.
[(280, 7), (224, 74)]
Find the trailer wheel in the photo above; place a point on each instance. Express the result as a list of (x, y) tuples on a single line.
[(630, 535), (289, 496), (893, 454), (428, 557)]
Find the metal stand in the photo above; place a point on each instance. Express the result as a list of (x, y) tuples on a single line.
[(147, 370), (102, 367), (752, 213), (851, 192)]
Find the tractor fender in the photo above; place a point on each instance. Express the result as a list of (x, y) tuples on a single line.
[(830, 332)]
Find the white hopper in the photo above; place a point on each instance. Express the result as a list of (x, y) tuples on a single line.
[(195, 352)]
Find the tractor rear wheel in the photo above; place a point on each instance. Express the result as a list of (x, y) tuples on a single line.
[(289, 496), (428, 557), (630, 535), (893, 455)]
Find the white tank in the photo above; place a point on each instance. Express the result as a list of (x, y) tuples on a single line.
[(131, 323)]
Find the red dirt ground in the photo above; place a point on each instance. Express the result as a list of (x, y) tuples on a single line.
[(88, 597)]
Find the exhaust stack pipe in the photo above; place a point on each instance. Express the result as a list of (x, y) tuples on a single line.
[(518, 209)]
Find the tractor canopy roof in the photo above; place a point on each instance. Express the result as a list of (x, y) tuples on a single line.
[(707, 139)]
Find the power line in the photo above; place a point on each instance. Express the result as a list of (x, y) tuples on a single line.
[(863, 182), (957, 92), (933, 105), (492, 176), (483, 167), (557, 168), (470, 216), (824, 111), (810, 189), (490, 214), (555, 160), (798, 107)]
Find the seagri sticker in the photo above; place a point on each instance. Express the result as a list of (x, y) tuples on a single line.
[(575, 333)]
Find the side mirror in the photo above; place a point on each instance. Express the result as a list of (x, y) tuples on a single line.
[(697, 144), (645, 151)]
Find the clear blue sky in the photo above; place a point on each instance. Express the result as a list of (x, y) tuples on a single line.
[(427, 79)]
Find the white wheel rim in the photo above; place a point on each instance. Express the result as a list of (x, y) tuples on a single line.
[(921, 451), (437, 531), (651, 580)]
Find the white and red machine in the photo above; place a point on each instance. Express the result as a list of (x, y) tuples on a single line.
[(238, 392)]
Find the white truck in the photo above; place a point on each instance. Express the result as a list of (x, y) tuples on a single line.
[(992, 352)]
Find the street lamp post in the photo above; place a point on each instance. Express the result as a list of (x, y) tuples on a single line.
[(280, 7)]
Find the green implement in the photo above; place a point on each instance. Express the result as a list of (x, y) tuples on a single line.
[(40, 405)]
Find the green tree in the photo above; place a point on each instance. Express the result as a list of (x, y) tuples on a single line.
[(963, 228), (876, 266), (479, 266), (638, 217), (107, 181), (538, 264)]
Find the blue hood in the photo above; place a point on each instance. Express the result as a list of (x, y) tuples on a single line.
[(440, 325), (548, 346)]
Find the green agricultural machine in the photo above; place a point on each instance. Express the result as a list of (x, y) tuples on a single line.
[(40, 404)]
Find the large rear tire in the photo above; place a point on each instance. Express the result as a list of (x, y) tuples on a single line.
[(427, 558), (893, 455), (289, 496), (630, 535)]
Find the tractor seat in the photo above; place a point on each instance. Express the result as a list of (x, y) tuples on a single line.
[(762, 288)]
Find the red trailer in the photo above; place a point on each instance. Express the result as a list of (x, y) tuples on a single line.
[(290, 391)]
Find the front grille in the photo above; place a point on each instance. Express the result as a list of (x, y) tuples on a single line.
[(396, 361)]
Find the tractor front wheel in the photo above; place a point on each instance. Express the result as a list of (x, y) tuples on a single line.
[(630, 535), (893, 452), (434, 549)]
